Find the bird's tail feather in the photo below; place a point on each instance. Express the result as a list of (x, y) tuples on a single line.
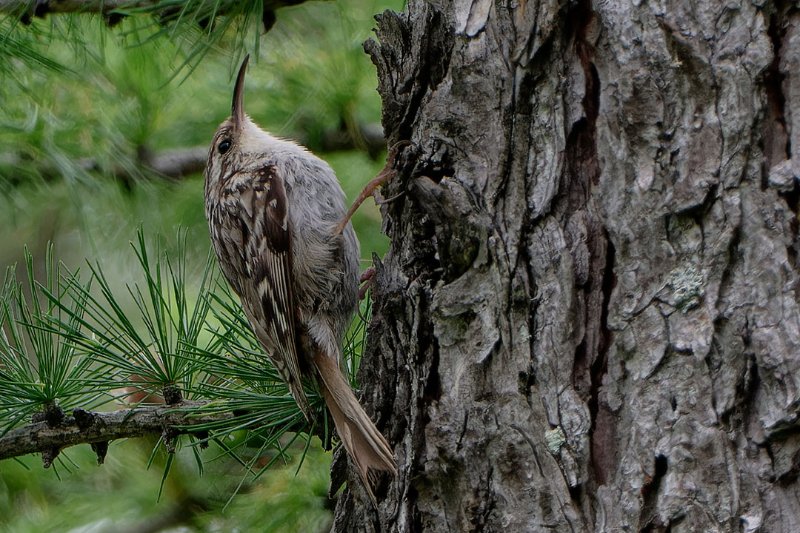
[(368, 449)]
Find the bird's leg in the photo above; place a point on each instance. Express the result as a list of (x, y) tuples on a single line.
[(365, 282), (383, 176)]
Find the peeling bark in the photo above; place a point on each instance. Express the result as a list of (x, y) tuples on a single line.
[(589, 311)]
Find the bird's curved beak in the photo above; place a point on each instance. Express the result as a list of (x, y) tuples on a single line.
[(237, 107)]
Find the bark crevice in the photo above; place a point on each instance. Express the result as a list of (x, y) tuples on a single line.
[(777, 143), (649, 519)]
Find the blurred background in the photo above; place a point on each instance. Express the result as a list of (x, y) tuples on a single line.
[(86, 112)]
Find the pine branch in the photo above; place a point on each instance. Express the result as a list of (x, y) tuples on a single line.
[(40, 8), (99, 428), (72, 6)]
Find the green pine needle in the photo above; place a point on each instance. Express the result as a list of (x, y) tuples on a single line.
[(71, 340), (39, 369)]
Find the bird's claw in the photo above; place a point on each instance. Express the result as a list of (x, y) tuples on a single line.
[(383, 176)]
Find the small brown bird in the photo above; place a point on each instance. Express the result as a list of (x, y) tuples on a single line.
[(273, 209)]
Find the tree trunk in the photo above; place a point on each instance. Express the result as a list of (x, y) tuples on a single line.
[(588, 319)]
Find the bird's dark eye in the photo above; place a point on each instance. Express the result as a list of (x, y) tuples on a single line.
[(224, 146)]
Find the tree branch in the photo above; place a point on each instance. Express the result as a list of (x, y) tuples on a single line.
[(85, 427), (40, 8), (72, 6), (179, 163), (174, 164)]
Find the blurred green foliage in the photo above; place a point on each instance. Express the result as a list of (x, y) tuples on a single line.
[(119, 93), (120, 496), (73, 89)]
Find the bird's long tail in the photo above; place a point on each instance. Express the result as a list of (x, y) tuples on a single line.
[(366, 446)]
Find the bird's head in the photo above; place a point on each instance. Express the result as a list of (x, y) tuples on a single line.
[(237, 139)]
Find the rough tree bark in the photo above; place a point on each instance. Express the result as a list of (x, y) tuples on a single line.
[(588, 319)]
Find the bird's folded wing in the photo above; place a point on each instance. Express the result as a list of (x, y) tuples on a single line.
[(270, 298)]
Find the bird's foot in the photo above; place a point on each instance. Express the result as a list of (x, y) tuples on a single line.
[(383, 176), (365, 282)]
